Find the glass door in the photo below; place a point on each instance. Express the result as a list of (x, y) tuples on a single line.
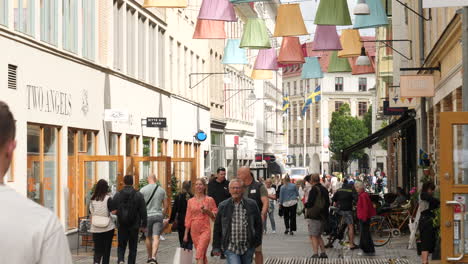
[(454, 186)]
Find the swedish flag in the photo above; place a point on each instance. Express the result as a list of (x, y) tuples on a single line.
[(285, 103), (314, 97)]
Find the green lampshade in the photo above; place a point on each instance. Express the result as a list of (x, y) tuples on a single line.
[(255, 35), (333, 12), (337, 64)]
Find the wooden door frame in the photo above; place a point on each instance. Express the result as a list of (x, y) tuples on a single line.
[(447, 184), (82, 159), (193, 168)]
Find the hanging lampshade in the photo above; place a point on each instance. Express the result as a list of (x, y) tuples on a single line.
[(361, 8), (247, 1), (209, 29), (376, 18), (337, 64), (333, 12), (311, 69), (233, 54), (266, 60), (217, 10), (261, 74), (363, 59), (165, 3), (291, 51), (351, 42), (289, 21), (326, 38), (255, 35)]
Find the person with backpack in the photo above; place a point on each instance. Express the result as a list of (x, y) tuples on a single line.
[(156, 207), (316, 215), (102, 226), (132, 217)]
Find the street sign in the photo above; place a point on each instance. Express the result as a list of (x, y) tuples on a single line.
[(444, 3), (388, 111), (114, 115), (160, 122)]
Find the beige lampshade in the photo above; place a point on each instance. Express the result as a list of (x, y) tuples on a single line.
[(262, 74), (166, 3), (351, 43), (289, 21)]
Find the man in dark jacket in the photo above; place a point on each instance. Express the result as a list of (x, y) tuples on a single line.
[(218, 188), (344, 199), (230, 234), (317, 223), (132, 217)]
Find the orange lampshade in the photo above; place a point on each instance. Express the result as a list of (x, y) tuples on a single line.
[(291, 51), (209, 29), (289, 21), (166, 3), (262, 74), (351, 43)]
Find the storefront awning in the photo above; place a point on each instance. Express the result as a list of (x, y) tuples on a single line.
[(402, 122)]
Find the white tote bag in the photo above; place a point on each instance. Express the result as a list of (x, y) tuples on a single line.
[(183, 256)]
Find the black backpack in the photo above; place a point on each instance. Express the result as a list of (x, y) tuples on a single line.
[(127, 211)]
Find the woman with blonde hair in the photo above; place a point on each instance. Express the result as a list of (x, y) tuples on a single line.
[(200, 209)]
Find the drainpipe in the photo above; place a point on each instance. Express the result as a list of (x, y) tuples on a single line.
[(465, 59), (421, 62)]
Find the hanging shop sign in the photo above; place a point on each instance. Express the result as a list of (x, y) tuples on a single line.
[(392, 111), (115, 115), (160, 122), (444, 3), (417, 86), (49, 101)]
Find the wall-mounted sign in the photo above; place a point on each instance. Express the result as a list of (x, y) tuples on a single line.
[(417, 86), (444, 3), (114, 115), (50, 101), (160, 122), (201, 136), (389, 111)]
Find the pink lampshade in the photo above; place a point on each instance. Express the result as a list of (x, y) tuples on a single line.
[(266, 60), (326, 38), (291, 51), (217, 10)]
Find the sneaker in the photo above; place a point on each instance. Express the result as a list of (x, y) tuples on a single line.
[(162, 238), (291, 233), (323, 255), (273, 232), (152, 261), (286, 232), (121, 262), (315, 256), (353, 248)]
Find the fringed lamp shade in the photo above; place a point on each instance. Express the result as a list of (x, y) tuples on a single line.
[(291, 51), (289, 21), (266, 60), (311, 69), (165, 3), (209, 29), (333, 12), (351, 42), (376, 18), (233, 54), (262, 74), (217, 10), (337, 64), (326, 38), (255, 35)]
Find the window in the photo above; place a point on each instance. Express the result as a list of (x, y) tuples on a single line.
[(70, 25), (187, 150), (295, 136), (162, 147), (161, 56), (23, 13), (301, 87), (317, 135), (362, 108), (317, 111), (338, 104), (289, 88), (141, 48), (131, 41), (114, 144), (42, 165), (308, 136), (148, 146), (49, 21), (339, 84), (4, 12), (89, 18), (131, 145), (118, 35), (152, 59), (295, 87), (362, 84), (301, 137)]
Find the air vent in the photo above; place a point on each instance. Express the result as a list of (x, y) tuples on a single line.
[(12, 74)]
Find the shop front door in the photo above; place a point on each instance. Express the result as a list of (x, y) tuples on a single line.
[(453, 177), (160, 166)]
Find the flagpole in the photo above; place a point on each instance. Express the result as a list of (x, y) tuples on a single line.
[(321, 133), (305, 126)]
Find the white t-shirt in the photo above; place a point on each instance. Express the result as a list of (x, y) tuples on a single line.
[(30, 233), (271, 191)]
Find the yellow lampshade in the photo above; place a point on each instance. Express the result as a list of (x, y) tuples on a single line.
[(165, 3), (351, 43), (289, 21), (262, 74)]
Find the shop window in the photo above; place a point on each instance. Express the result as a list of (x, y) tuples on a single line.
[(70, 25), (362, 84), (131, 145), (338, 84), (362, 108), (187, 150), (49, 18), (162, 147), (23, 14), (42, 165), (114, 144)]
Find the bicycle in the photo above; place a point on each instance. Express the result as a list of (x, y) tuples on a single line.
[(338, 227), (380, 230)]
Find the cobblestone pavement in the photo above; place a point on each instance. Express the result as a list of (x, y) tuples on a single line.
[(275, 245)]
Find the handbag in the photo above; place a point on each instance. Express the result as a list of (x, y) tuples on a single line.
[(300, 207), (100, 221), (183, 256)]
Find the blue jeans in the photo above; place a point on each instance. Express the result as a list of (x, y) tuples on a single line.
[(271, 215), (233, 258)]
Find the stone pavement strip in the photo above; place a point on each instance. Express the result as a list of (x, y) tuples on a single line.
[(279, 246)]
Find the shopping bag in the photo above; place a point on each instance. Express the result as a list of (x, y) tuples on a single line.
[(300, 207), (183, 256)]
